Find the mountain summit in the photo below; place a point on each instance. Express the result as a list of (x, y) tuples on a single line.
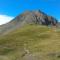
[(36, 17), (28, 17)]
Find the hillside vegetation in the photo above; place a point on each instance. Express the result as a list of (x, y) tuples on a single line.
[(31, 42)]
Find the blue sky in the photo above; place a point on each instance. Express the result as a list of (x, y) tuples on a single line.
[(11, 8)]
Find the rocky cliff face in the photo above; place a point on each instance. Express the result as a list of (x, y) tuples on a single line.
[(28, 17)]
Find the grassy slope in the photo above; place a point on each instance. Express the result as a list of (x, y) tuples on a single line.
[(39, 41)]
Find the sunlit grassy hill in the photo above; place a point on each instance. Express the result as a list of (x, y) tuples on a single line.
[(31, 42)]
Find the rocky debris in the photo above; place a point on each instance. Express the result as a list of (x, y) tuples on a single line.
[(26, 51), (54, 54), (32, 57)]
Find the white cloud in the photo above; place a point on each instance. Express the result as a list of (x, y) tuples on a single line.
[(5, 18)]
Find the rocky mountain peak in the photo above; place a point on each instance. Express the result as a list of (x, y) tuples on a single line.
[(37, 17), (28, 17)]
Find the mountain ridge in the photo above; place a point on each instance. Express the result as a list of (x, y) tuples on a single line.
[(28, 17)]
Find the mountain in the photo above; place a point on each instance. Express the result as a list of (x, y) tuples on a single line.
[(32, 35), (28, 17)]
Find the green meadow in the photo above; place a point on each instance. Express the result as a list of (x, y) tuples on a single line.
[(31, 42)]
